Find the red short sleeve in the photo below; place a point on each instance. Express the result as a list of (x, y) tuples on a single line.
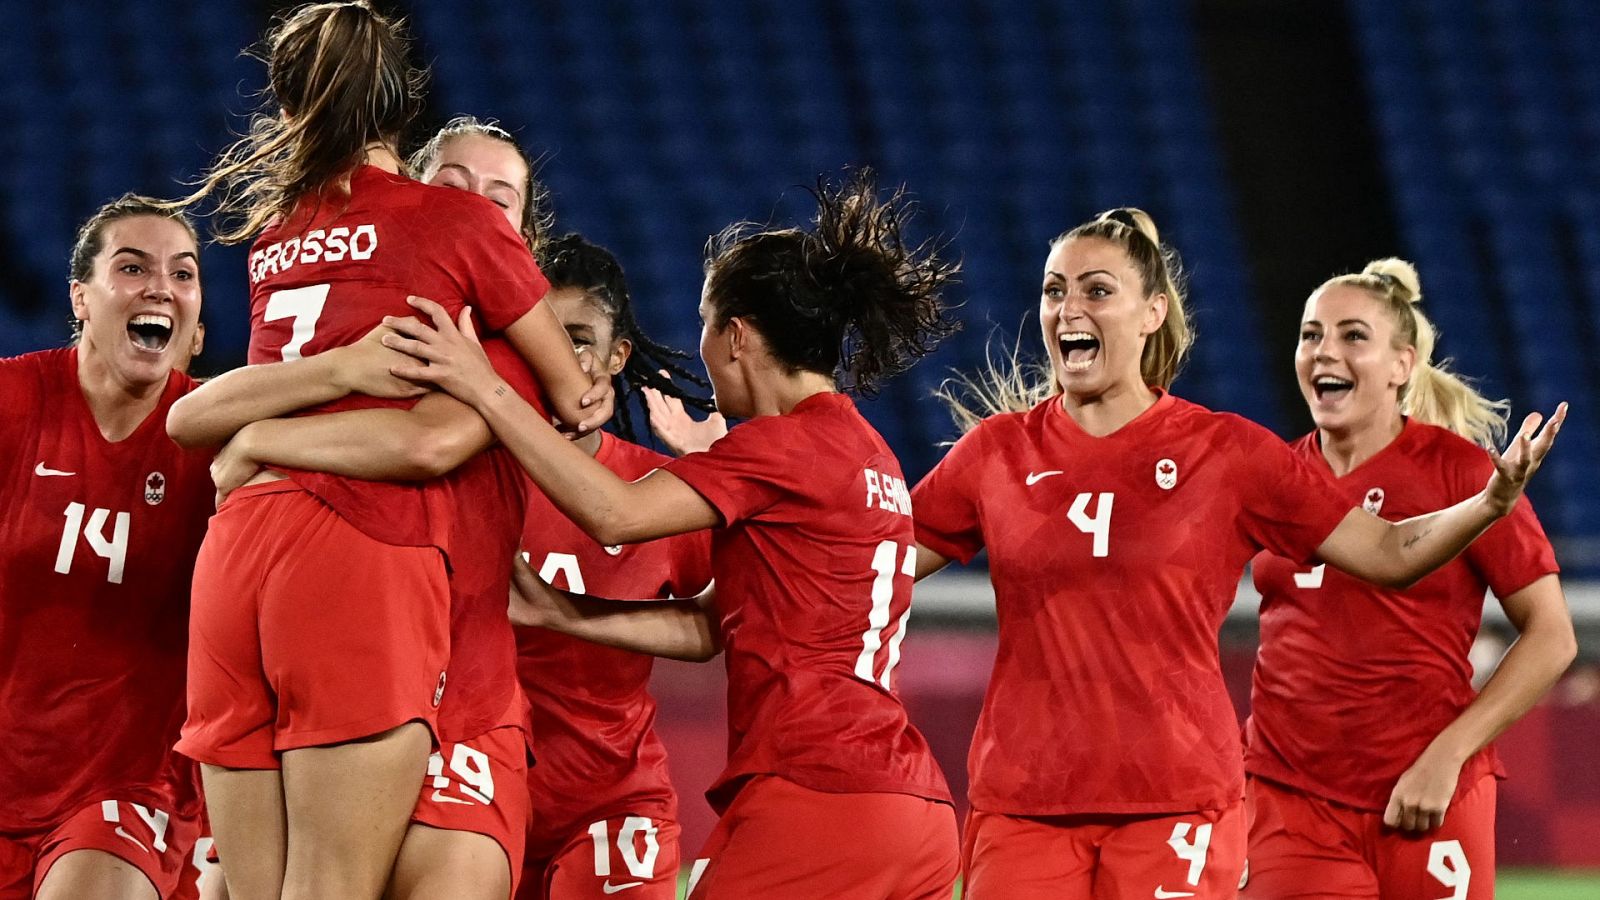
[(1288, 507), (691, 563), (503, 283), (945, 504), (1513, 553), (745, 472)]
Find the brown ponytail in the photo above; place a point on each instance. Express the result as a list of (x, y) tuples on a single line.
[(339, 75)]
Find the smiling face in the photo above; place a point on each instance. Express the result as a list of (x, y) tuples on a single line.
[(1095, 317), (1349, 370), (140, 306), (487, 167), (590, 328)]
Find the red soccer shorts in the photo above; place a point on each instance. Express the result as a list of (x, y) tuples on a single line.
[(481, 786), (304, 631), (1195, 855), (780, 841), (1305, 846), (147, 839), (633, 854)]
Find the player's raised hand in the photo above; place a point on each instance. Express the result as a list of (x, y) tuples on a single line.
[(233, 465), (599, 401), (673, 425), (534, 603), (1421, 796), (1522, 457), (445, 353), (365, 367)]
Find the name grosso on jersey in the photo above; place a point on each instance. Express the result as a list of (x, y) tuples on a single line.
[(357, 242)]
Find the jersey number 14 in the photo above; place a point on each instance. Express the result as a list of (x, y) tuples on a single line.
[(114, 548)]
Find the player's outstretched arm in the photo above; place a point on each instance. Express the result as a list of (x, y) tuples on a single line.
[(1398, 554), (674, 629), (1545, 646), (607, 508), (432, 438), (211, 414)]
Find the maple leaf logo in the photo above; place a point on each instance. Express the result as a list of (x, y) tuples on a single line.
[(155, 482), (1166, 468)]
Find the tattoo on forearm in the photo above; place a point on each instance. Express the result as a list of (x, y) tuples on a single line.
[(1411, 541), (500, 390)]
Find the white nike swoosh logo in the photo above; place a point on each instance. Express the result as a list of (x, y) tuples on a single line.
[(441, 798), (1036, 477), (42, 471), (123, 834), (610, 888), (1163, 894)]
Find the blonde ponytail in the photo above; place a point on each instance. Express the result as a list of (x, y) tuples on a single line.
[(1434, 394)]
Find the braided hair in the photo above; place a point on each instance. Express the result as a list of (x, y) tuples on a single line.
[(572, 261)]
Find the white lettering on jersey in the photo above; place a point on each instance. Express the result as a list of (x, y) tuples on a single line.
[(1310, 580), (321, 245), (564, 564), (887, 492), (115, 550)]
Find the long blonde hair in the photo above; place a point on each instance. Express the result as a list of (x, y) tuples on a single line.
[(1433, 394), (1013, 383), (340, 73)]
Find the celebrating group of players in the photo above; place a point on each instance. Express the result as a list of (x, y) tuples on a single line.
[(331, 645)]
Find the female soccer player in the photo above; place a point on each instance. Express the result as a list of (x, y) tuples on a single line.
[(1371, 771), (812, 551), (604, 811), (1118, 519), (470, 819), (310, 763), (99, 527)]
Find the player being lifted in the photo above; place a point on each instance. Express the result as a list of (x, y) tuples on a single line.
[(1118, 519), (1370, 770), (100, 521), (312, 765), (812, 569)]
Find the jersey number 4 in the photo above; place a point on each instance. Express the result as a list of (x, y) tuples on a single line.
[(1097, 526), (114, 549)]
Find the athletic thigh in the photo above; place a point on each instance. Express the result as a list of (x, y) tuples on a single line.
[(1302, 846), (470, 823), (633, 854), (1453, 862)]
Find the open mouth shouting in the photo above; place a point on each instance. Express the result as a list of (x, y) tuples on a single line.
[(1330, 389), (150, 332), (1079, 349)]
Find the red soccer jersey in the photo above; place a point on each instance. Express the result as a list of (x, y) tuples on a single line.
[(813, 569), (593, 716), (1114, 560), (99, 541), (328, 274), (489, 495), (1353, 680)]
